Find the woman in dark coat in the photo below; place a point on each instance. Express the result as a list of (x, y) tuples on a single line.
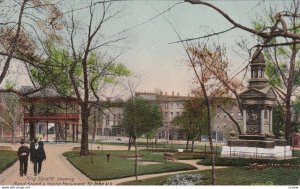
[(37, 156)]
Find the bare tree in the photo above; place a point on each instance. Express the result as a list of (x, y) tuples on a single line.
[(279, 34), (24, 26), (81, 65), (277, 30), (12, 112)]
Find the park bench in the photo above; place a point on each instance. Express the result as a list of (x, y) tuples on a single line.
[(5, 148), (76, 148), (169, 156)]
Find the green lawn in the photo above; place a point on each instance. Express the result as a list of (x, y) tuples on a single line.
[(160, 145), (7, 158), (238, 176), (119, 167)]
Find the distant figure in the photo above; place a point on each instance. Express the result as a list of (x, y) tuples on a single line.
[(37, 156), (23, 153)]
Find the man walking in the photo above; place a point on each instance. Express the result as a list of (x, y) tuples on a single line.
[(23, 153), (37, 156)]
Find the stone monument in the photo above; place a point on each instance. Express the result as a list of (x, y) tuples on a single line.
[(257, 139)]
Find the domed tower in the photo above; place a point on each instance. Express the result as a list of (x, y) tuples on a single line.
[(258, 66)]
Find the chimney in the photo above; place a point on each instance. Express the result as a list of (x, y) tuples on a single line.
[(177, 94), (172, 93), (189, 95), (166, 93)]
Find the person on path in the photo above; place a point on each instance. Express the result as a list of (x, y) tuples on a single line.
[(37, 156), (23, 153)]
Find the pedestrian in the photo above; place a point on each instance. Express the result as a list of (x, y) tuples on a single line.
[(23, 153), (37, 156)]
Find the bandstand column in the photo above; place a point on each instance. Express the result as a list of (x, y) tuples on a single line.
[(262, 119), (244, 121)]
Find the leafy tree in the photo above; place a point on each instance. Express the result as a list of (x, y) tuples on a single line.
[(79, 59), (141, 117), (278, 119), (193, 120), (70, 78)]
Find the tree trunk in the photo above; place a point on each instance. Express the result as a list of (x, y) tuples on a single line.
[(129, 143), (31, 124), (85, 130), (13, 134), (213, 173), (135, 163), (94, 128), (288, 120), (193, 142), (187, 143), (147, 142), (200, 135)]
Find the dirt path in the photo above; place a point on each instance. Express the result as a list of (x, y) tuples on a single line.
[(57, 170)]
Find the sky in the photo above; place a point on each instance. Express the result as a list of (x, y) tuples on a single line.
[(155, 62)]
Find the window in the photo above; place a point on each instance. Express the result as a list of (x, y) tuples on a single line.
[(171, 113), (259, 73), (177, 113), (107, 117), (171, 105), (255, 73), (166, 105), (115, 119), (266, 114), (225, 115), (166, 114), (177, 105)]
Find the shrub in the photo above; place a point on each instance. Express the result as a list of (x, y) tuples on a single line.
[(273, 165), (185, 179), (219, 161)]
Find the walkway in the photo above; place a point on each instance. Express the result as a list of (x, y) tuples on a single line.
[(57, 170)]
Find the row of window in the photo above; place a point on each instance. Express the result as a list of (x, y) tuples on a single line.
[(257, 73), (116, 119), (172, 114), (172, 105)]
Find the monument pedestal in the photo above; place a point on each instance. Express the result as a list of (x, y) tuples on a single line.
[(259, 147)]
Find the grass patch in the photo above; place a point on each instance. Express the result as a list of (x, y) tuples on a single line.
[(239, 176), (160, 145), (7, 158), (120, 167), (219, 161)]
